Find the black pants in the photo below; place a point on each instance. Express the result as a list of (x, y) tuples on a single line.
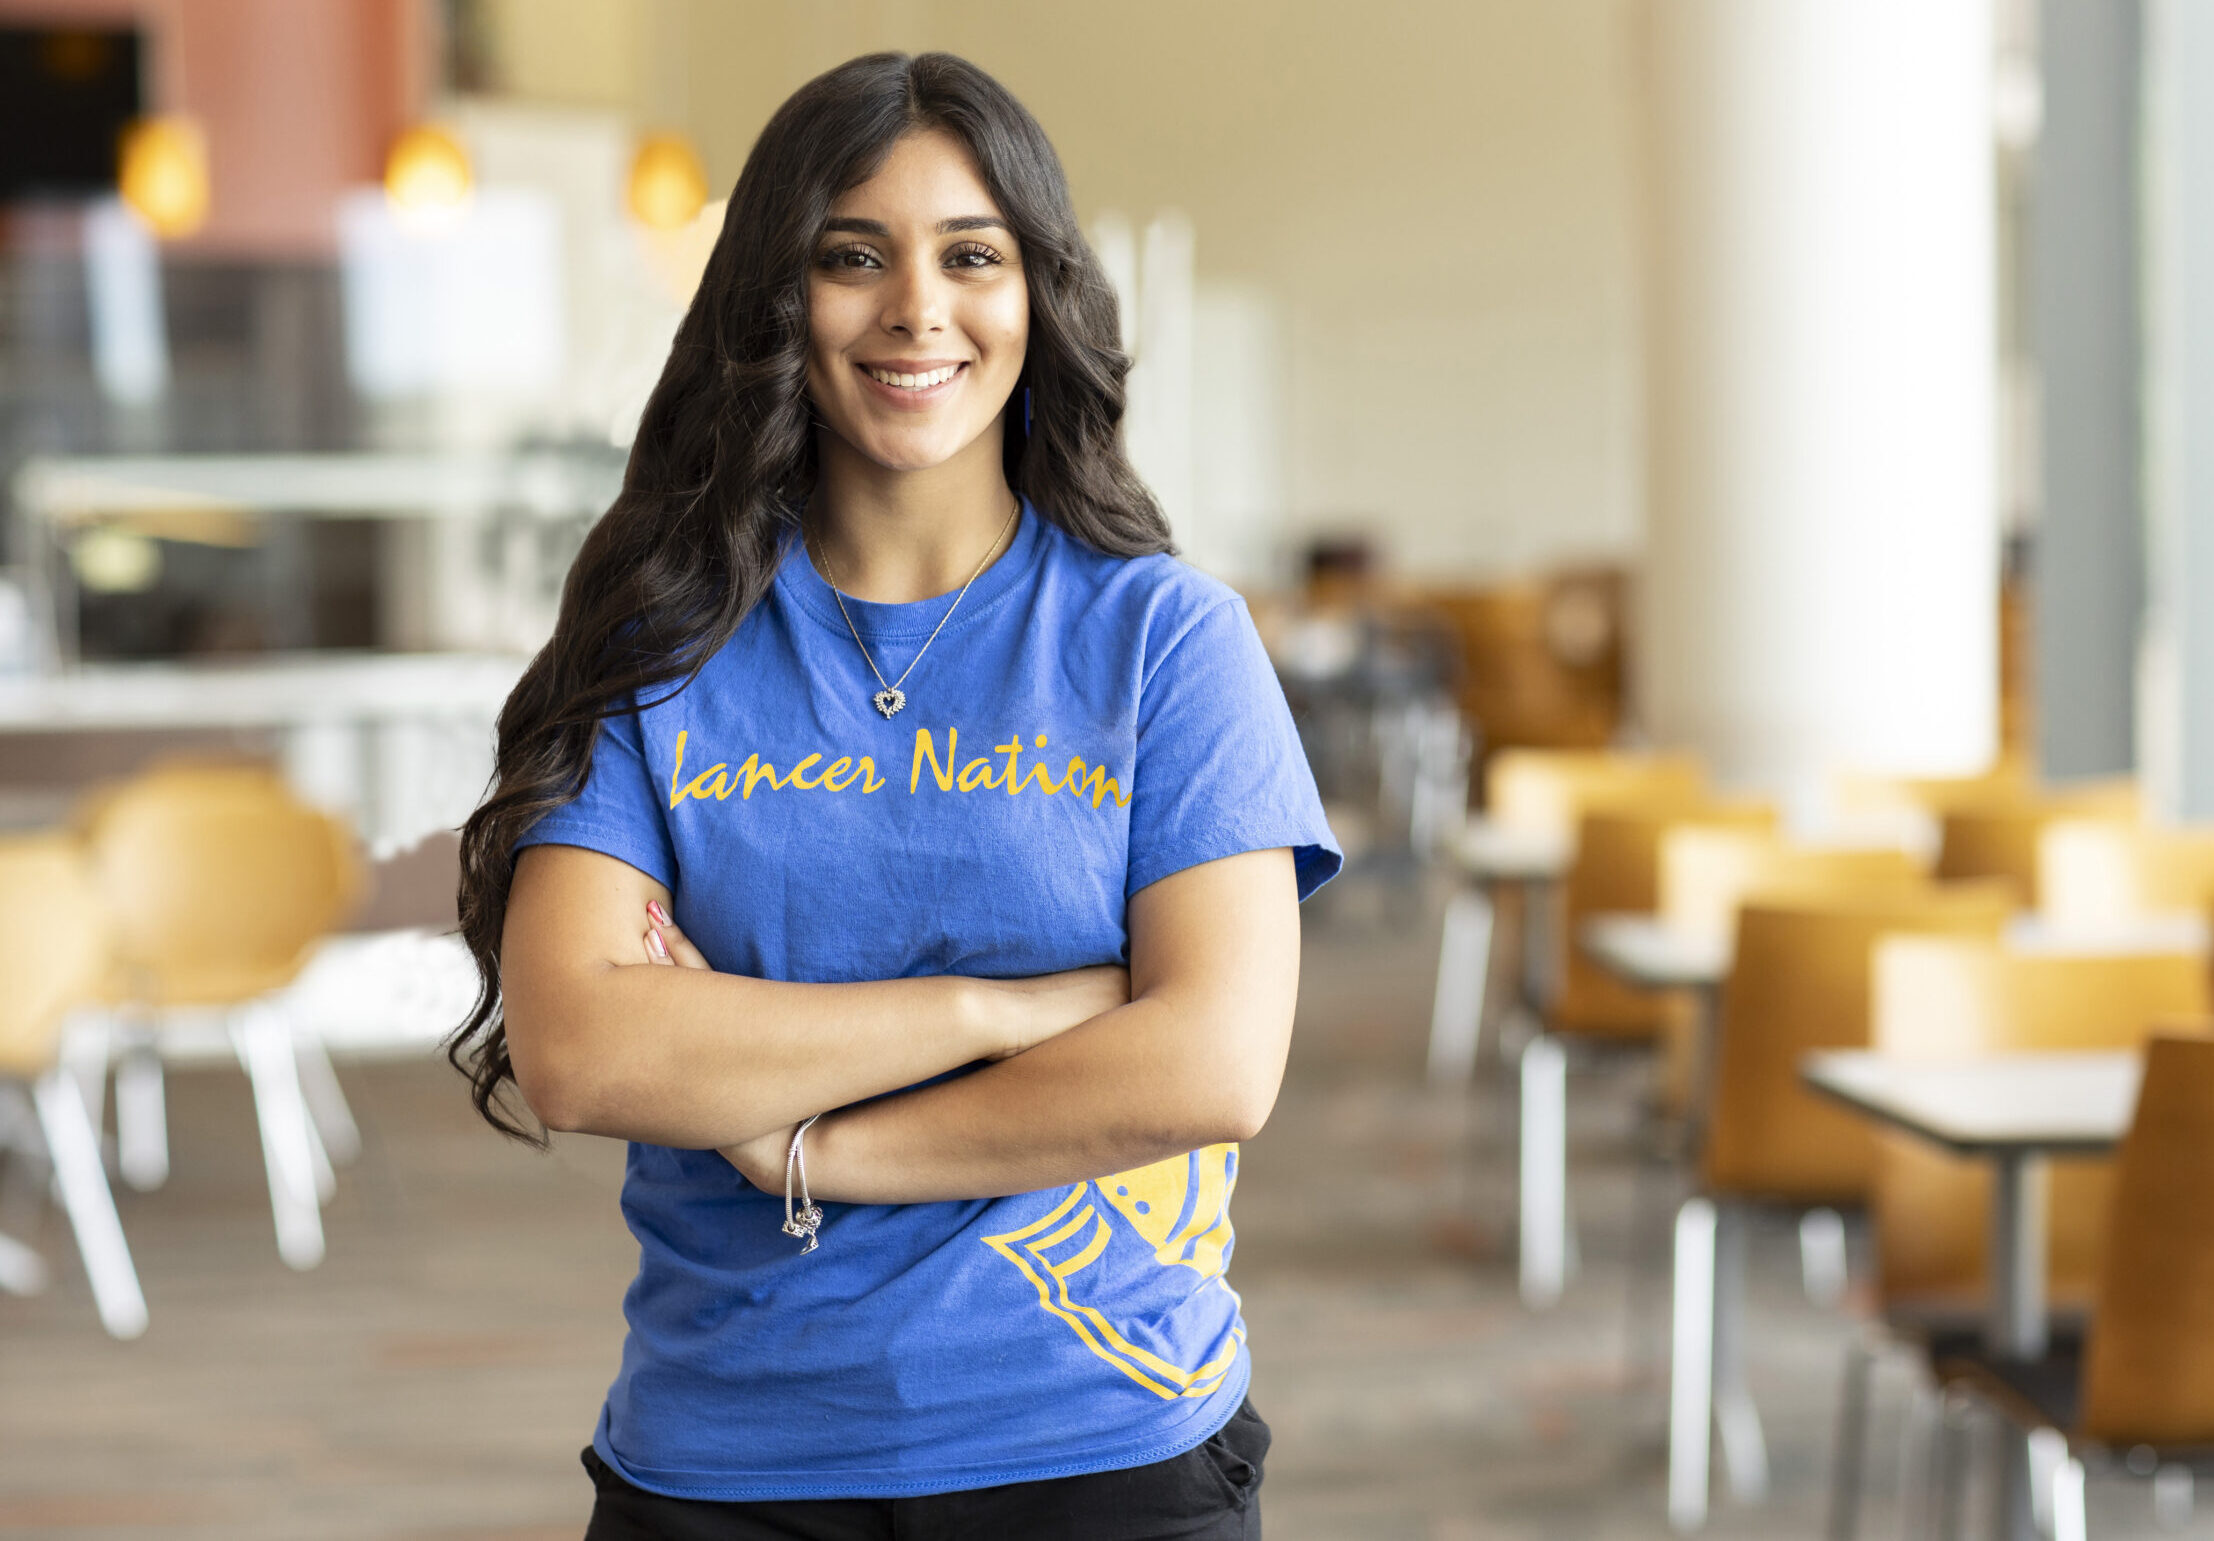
[(1209, 1493)]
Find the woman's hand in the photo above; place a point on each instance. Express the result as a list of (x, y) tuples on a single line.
[(666, 944)]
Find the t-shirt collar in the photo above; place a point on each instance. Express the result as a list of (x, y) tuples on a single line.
[(800, 582)]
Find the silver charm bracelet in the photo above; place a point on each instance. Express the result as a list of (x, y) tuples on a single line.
[(808, 1218)]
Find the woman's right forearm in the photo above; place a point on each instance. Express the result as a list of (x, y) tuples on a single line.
[(696, 1059)]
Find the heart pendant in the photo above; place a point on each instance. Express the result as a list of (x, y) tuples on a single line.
[(890, 699)]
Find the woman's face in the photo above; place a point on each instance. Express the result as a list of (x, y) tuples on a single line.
[(918, 313)]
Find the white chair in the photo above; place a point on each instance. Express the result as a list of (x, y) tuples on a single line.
[(221, 883), (54, 952)]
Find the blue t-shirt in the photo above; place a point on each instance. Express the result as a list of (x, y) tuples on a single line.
[(1084, 725)]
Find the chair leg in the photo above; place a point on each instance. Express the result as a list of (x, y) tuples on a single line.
[(319, 1159), (1822, 1270), (1691, 1366), (326, 1099), (141, 1119), (1951, 1485), (1545, 1249), (2043, 1452), (1848, 1472), (1736, 1419), (83, 1054), (2069, 1520), (73, 1145), (23, 1182), (22, 1270), (1921, 1433), (2174, 1495), (264, 1046), (1464, 964)]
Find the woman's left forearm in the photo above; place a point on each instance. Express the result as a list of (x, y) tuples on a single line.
[(1137, 1085)]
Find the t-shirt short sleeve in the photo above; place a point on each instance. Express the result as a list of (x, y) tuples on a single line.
[(619, 812), (1219, 768)]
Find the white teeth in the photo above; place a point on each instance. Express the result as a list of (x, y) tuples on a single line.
[(921, 382)]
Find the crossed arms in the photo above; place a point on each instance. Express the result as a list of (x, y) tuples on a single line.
[(1090, 1072)]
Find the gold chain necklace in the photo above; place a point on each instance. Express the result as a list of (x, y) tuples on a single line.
[(891, 698)]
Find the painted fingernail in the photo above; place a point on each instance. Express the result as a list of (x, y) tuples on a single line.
[(660, 915), (660, 948)]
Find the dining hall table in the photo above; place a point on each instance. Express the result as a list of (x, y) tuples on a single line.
[(2016, 1112)]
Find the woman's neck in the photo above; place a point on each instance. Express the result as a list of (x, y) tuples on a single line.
[(900, 536)]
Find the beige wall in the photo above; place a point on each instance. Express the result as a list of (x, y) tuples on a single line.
[(1436, 194)]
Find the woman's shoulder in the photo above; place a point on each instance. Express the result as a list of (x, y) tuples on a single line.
[(1160, 593)]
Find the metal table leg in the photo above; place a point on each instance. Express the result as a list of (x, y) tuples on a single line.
[(1691, 1365), (1464, 967), (1736, 1419), (1548, 1242), (1543, 1159), (2017, 1327)]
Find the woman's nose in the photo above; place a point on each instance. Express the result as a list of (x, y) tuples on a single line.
[(915, 302)]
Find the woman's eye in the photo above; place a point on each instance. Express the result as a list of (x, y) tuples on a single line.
[(972, 254), (848, 257)]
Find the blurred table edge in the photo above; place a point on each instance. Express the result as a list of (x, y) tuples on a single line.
[(269, 691), (2001, 1104), (553, 482), (1651, 954)]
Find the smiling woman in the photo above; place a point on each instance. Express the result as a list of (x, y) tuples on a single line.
[(1009, 1042)]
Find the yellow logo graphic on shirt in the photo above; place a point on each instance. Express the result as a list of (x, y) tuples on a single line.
[(979, 773), (1176, 1214)]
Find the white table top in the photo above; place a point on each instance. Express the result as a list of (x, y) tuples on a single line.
[(2181, 931), (1494, 852), (1648, 952), (276, 691), (2002, 1104), (550, 483)]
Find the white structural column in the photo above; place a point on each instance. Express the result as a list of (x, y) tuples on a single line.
[(1823, 549), (2176, 680)]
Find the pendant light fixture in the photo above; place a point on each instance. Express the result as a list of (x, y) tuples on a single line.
[(162, 174), (161, 164), (427, 172), (668, 186)]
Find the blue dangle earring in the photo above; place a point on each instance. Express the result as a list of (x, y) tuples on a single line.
[(1026, 411)]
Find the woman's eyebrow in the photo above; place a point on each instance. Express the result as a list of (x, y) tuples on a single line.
[(883, 231)]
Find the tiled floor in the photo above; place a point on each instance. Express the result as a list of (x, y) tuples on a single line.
[(435, 1377)]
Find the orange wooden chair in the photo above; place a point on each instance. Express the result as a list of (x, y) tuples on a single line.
[(1708, 873), (1535, 801), (2099, 876), (1799, 982)]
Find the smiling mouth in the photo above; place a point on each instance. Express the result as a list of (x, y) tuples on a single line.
[(912, 382)]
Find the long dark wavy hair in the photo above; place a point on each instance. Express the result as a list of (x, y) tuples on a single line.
[(724, 461)]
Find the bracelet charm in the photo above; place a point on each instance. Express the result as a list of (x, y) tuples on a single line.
[(805, 1220)]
